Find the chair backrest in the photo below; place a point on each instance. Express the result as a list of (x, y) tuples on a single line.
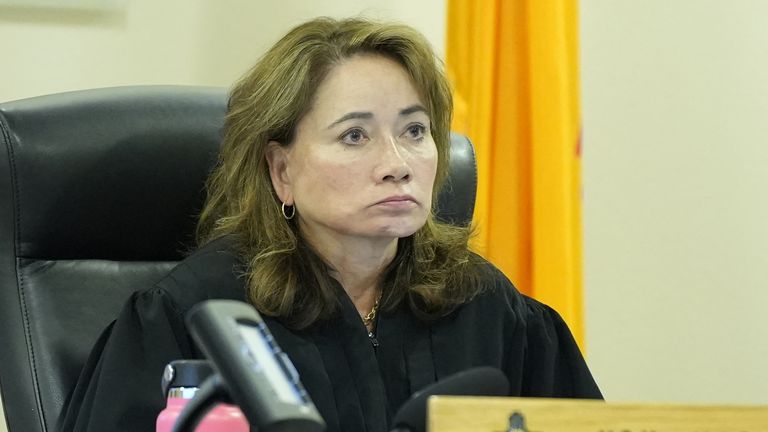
[(99, 192)]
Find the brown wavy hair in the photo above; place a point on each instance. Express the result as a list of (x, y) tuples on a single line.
[(433, 270)]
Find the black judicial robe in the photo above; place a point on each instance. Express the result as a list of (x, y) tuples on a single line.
[(354, 386)]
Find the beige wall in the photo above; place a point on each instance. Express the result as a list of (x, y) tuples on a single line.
[(200, 42), (168, 42), (675, 108)]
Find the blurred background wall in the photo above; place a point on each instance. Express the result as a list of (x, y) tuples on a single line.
[(675, 149), (199, 42), (675, 108)]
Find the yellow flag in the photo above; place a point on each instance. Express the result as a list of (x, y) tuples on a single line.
[(514, 68)]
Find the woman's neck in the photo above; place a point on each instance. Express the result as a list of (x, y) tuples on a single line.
[(357, 263)]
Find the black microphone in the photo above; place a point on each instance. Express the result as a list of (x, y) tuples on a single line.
[(481, 381), (251, 369)]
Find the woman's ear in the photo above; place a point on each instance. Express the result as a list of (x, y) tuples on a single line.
[(277, 159)]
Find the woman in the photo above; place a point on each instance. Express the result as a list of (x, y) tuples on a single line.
[(319, 214)]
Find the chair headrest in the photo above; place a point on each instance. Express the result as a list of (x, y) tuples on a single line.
[(102, 173)]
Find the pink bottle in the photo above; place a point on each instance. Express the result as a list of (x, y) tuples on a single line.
[(181, 379)]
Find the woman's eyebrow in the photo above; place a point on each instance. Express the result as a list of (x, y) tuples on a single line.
[(368, 115), (412, 109), (352, 115)]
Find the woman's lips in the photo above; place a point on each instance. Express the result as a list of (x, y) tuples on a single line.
[(398, 202)]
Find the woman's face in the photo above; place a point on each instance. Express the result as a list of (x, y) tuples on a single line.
[(363, 161)]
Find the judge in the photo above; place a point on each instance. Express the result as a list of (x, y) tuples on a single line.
[(320, 214)]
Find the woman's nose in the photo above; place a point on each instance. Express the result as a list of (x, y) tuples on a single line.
[(393, 165)]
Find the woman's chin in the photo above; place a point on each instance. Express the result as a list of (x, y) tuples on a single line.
[(400, 230)]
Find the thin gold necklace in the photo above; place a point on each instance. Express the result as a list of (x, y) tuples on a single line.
[(368, 319)]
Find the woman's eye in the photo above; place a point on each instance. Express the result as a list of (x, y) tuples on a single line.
[(353, 137), (416, 132)]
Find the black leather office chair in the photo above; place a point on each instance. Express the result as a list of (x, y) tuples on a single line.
[(98, 195)]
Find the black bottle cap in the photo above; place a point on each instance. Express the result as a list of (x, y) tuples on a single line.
[(185, 373)]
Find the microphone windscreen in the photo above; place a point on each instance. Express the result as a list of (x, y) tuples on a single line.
[(481, 381)]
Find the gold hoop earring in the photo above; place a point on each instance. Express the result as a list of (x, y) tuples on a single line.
[(285, 214)]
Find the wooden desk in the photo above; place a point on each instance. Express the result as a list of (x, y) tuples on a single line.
[(480, 414)]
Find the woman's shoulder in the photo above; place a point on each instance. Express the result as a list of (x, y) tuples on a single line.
[(212, 261), (493, 285), (539, 350), (498, 292), (214, 271)]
